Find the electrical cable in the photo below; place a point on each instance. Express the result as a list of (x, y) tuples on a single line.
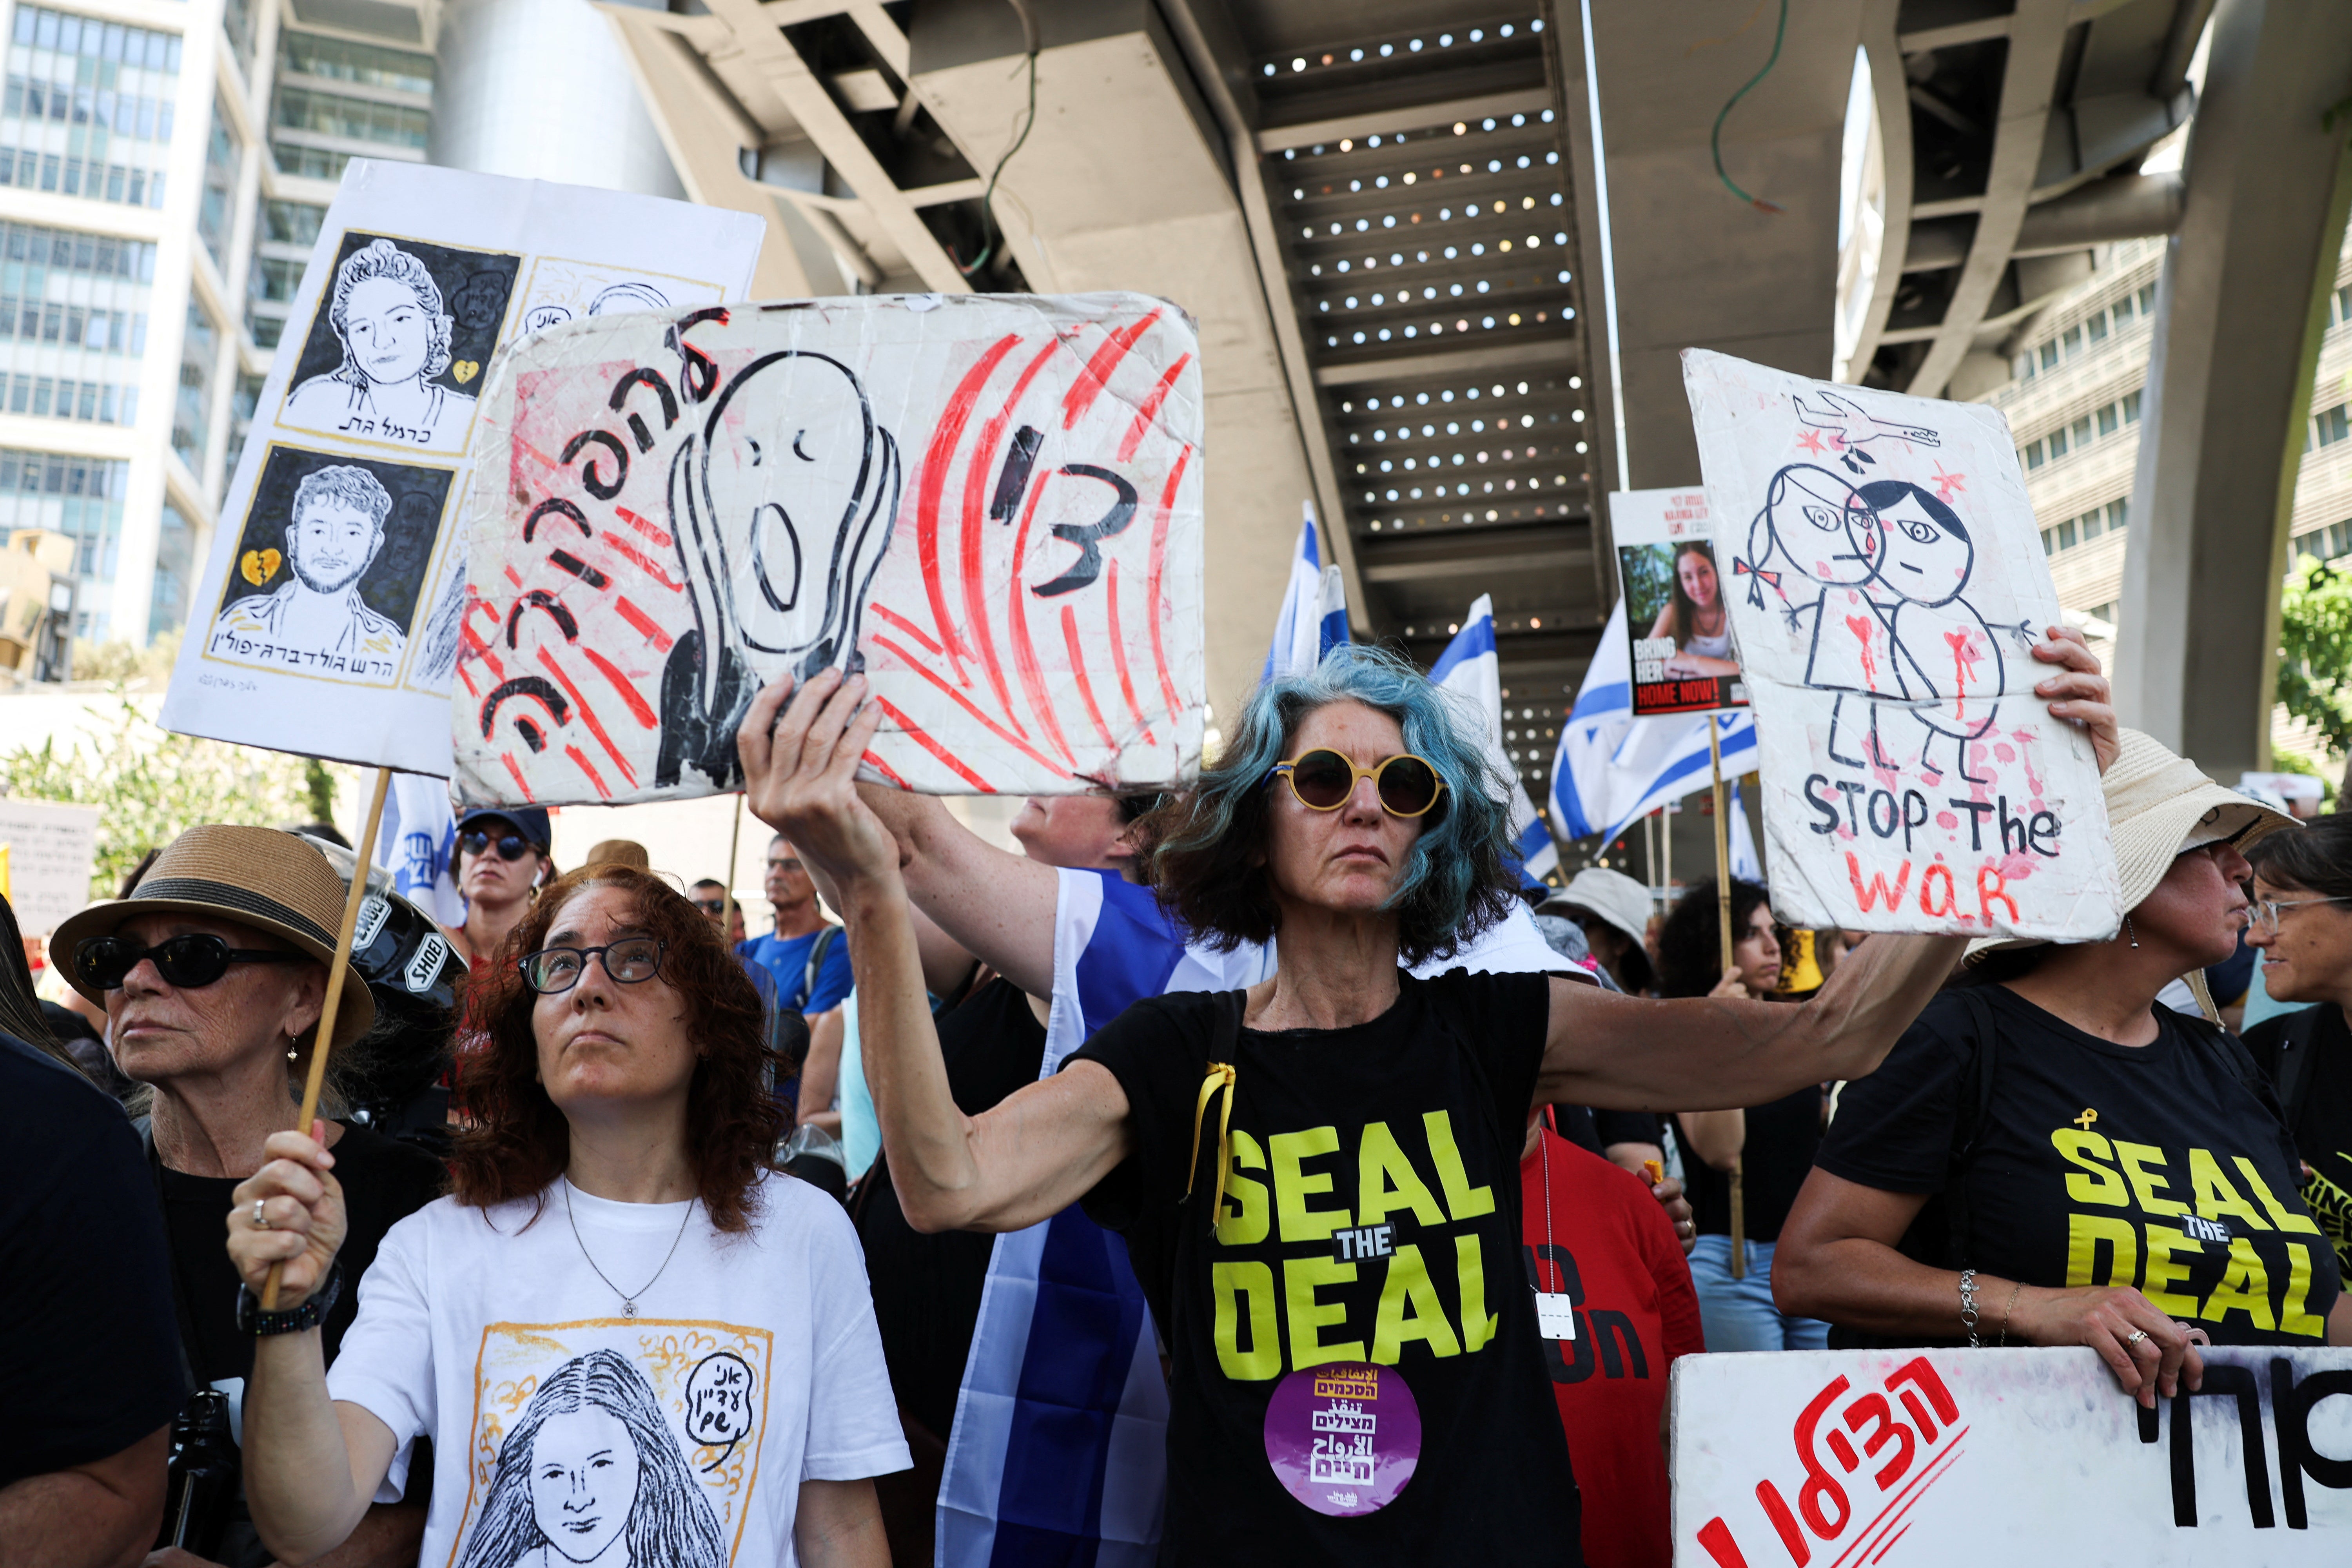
[(988, 197), (1715, 140)]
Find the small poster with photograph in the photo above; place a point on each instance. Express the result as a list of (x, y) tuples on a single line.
[(333, 596), (1686, 659)]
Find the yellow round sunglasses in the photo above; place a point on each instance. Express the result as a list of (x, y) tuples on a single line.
[(1323, 779)]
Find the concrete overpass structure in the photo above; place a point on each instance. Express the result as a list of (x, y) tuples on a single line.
[(1377, 212)]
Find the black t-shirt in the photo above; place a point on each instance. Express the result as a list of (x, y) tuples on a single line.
[(2159, 1166), (384, 1183), (88, 1360), (1782, 1137), (1371, 1222), (2321, 1116), (927, 1288)]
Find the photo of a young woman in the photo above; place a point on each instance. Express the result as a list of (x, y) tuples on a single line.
[(1695, 618)]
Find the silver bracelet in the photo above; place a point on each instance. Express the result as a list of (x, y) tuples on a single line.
[(1969, 1307)]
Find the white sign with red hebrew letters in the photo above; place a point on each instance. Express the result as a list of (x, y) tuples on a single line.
[(1955, 1459), (990, 505), (1886, 585)]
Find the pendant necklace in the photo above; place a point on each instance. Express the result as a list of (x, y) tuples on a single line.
[(628, 1297)]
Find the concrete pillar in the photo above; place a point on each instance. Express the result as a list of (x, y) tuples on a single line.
[(2241, 308), (540, 90)]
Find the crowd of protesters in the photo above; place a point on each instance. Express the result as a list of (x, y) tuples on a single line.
[(436, 1325)]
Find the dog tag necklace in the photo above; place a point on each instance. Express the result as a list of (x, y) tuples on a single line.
[(1555, 1310), (628, 1297)]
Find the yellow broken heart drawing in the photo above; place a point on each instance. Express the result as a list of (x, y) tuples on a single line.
[(466, 370), (260, 565)]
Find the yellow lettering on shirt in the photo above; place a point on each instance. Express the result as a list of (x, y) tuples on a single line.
[(1293, 1186), (2215, 1195), (1410, 1310), (1247, 1214), (1462, 1201), (2293, 1318), (1248, 1286), (2084, 1231), (1478, 1325), (2163, 1241), (1301, 1277), (2302, 1222), (2245, 1288), (2089, 1182), (2144, 1183), (1386, 1181)]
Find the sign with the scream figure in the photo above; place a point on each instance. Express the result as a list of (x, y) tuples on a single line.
[(1886, 586), (1924, 1458), (991, 506)]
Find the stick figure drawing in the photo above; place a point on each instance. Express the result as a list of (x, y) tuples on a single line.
[(1880, 571), (591, 1475)]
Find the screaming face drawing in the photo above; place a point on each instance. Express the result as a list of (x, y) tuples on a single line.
[(591, 1475)]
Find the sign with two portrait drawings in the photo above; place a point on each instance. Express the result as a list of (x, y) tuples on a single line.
[(1887, 586), (327, 620), (1954, 1459), (1685, 657), (990, 505)]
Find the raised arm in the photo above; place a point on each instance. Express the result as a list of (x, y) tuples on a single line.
[(1040, 1150), (998, 906)]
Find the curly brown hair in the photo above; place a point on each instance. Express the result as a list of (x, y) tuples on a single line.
[(519, 1143)]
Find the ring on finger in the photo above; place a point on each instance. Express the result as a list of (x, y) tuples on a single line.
[(260, 1220), (2135, 1336)]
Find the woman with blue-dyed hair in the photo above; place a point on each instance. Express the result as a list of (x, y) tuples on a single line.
[(1318, 1177)]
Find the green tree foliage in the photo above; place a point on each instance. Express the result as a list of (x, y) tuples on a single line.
[(2315, 649), (151, 786)]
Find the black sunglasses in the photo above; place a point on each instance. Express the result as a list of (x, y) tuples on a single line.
[(510, 846), (711, 906), (185, 962)]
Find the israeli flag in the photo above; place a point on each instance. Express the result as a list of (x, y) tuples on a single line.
[(1746, 864), (1472, 670), (417, 843), (1614, 769), (1314, 619), (1058, 1454)]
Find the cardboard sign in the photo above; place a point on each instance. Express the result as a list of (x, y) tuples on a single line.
[(326, 621), (1887, 585), (1921, 1458), (991, 505), (1686, 659), (51, 850)]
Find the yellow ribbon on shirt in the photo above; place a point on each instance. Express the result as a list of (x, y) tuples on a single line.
[(1221, 1077)]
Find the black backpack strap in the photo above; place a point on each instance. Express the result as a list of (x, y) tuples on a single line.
[(817, 950)]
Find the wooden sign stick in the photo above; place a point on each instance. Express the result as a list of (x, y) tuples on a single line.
[(325, 1037), (1723, 925)]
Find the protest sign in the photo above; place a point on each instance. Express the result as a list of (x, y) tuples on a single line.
[(1684, 658), (1887, 586), (326, 620), (50, 850), (990, 505), (1923, 1458)]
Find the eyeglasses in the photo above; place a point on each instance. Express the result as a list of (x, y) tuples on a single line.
[(185, 962), (1322, 780), (2267, 910), (510, 846), (551, 970)]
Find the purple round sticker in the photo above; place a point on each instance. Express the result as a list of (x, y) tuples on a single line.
[(1343, 1439)]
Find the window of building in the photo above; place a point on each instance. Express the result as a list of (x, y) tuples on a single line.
[(2082, 431), (176, 572), (2109, 419), (2090, 525), (215, 207), (2130, 405), (291, 222), (78, 496), (350, 118), (268, 293), (2058, 442), (2050, 354), (2340, 306), (73, 318), (2072, 338), (2049, 542), (2118, 514), (2033, 454), (192, 410), (243, 399), (2146, 297), (2066, 534), (2024, 367), (237, 22), (368, 64), (309, 162), (87, 108), (2332, 424), (2123, 312)]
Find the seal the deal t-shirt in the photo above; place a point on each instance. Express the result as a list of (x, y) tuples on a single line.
[(1357, 1375), (2160, 1166), (563, 1426)]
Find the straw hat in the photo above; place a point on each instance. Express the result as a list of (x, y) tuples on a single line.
[(1616, 898), (273, 882)]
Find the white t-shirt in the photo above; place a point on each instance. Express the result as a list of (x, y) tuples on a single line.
[(562, 1429)]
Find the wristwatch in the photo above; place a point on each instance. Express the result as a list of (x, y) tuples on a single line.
[(252, 1319)]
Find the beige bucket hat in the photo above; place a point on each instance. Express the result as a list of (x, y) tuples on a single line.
[(273, 882), (1616, 898)]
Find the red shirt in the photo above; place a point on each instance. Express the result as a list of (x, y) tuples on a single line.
[(1612, 1250)]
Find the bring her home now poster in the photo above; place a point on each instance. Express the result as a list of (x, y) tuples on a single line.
[(1684, 658)]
